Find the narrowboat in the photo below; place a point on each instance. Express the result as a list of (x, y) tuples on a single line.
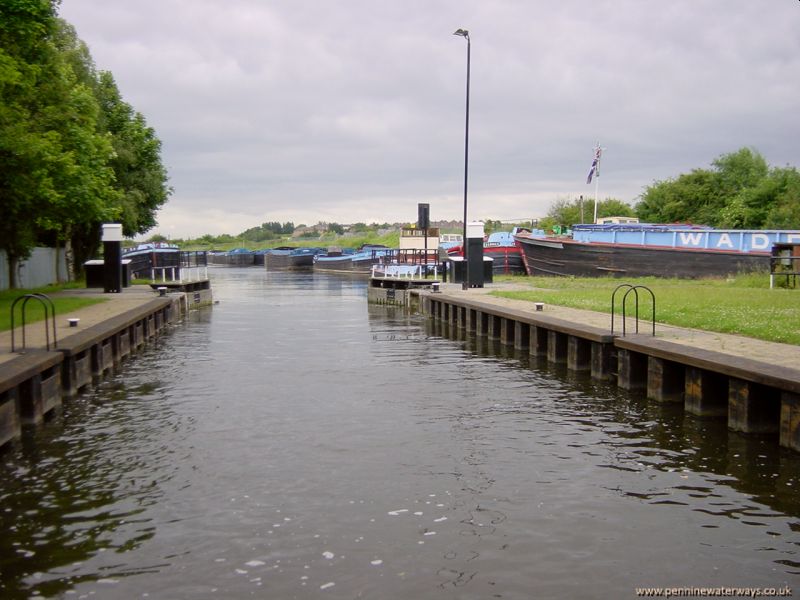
[(359, 262), (290, 258), (144, 258)]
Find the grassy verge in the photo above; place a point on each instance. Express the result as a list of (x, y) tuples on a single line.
[(743, 305), (34, 310)]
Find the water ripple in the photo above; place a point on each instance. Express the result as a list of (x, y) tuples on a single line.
[(295, 441)]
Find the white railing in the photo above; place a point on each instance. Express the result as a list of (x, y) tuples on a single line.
[(401, 271), (163, 271), (197, 273), (179, 274)]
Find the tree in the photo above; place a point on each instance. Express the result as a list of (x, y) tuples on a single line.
[(740, 191), (141, 178), (23, 186), (52, 160), (84, 180), (740, 170), (567, 212), (785, 212), (72, 154), (691, 198), (490, 226)]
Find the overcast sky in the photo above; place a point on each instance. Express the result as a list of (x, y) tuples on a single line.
[(353, 110)]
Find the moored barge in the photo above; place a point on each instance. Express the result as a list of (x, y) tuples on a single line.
[(642, 250)]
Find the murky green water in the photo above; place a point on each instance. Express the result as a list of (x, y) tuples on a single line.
[(294, 442)]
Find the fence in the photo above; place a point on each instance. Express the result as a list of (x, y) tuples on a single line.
[(44, 267)]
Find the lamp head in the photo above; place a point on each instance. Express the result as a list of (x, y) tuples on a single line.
[(462, 32)]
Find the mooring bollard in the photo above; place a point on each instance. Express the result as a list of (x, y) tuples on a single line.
[(539, 306), (435, 287), (162, 291), (73, 322)]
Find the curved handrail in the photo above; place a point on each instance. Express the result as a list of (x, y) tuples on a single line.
[(48, 306), (613, 304), (635, 289)]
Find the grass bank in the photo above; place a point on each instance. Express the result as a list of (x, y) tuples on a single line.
[(743, 305), (34, 310)]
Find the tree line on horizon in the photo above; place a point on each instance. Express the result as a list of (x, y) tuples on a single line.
[(739, 191), (73, 153), (274, 231)]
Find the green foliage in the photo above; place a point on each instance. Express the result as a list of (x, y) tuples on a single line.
[(72, 154), (267, 231), (691, 198), (141, 179), (490, 226), (392, 239), (53, 162), (740, 191), (569, 212), (352, 240), (24, 186), (785, 212), (335, 228), (742, 305), (740, 170)]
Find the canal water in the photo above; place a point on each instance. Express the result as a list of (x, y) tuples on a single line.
[(294, 442)]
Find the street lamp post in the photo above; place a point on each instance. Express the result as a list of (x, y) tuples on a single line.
[(465, 284)]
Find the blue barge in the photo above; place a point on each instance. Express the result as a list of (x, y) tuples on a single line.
[(640, 250)]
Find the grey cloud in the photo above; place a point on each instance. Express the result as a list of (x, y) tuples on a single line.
[(354, 110)]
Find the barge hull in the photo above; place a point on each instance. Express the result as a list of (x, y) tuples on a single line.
[(287, 263), (569, 258)]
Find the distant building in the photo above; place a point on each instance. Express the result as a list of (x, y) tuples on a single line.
[(310, 231)]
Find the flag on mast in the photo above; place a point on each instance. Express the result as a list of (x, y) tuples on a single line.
[(595, 169)]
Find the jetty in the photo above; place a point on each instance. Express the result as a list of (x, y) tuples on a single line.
[(62, 356), (753, 384)]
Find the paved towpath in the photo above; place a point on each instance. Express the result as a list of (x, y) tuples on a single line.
[(112, 306), (787, 355)]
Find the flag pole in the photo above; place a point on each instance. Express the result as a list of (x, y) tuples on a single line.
[(596, 179), (596, 185), (595, 172)]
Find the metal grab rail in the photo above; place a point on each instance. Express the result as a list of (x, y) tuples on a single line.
[(46, 303), (635, 289)]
